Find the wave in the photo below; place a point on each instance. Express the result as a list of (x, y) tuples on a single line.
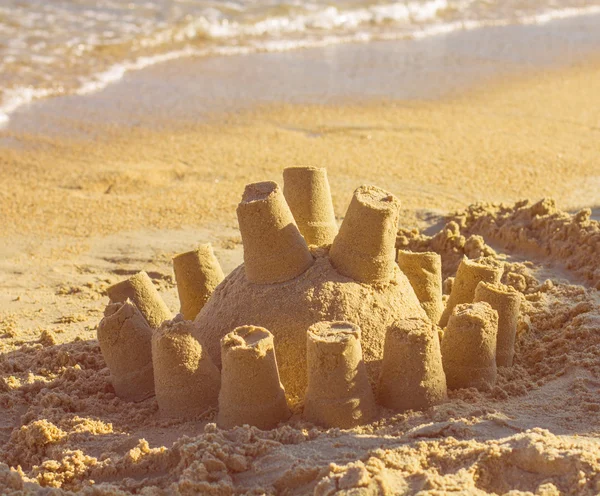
[(257, 41)]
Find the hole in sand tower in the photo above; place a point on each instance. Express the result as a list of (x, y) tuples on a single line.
[(375, 197), (251, 335), (258, 191), (331, 332)]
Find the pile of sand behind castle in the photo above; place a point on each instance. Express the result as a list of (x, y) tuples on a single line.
[(288, 309)]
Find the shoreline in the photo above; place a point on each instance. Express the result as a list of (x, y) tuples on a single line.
[(183, 91), (16, 98)]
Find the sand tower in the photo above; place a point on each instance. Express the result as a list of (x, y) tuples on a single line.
[(412, 376), (197, 273), (339, 393), (251, 392), (469, 274), (125, 341), (186, 380), (424, 271), (142, 292), (469, 346), (286, 288), (507, 302), (306, 189)]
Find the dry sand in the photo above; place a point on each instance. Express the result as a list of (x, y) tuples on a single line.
[(78, 216)]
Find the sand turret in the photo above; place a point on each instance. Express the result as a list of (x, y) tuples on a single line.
[(186, 380), (338, 393), (306, 190), (469, 346), (251, 392), (506, 301), (140, 290), (469, 274), (274, 249), (197, 273), (364, 248), (412, 376), (125, 341), (424, 271)]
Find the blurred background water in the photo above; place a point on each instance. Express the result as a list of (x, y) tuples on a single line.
[(61, 47)]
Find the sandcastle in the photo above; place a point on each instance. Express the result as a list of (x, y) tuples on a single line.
[(286, 287), (314, 316)]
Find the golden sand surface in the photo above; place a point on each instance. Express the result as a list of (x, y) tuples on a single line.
[(517, 139), (80, 215)]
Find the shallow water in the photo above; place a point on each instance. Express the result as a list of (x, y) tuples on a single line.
[(81, 46)]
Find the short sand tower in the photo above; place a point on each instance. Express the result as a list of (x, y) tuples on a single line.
[(251, 392), (412, 376), (469, 274), (364, 248), (469, 346), (274, 249), (125, 341), (339, 393), (186, 380), (307, 192), (507, 302), (142, 292), (197, 273), (424, 271)]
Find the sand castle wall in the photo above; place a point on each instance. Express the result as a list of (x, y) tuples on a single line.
[(274, 249), (125, 341), (142, 292), (339, 393), (307, 192), (364, 248), (506, 301), (469, 346), (186, 380), (412, 376), (251, 392), (197, 273), (469, 274), (424, 271)]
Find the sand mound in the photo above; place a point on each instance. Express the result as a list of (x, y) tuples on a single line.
[(288, 309)]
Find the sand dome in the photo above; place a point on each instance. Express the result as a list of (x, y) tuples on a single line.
[(286, 287)]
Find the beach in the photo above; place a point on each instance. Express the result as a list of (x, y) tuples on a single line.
[(97, 187)]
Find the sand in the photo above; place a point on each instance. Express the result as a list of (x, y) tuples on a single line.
[(62, 425)]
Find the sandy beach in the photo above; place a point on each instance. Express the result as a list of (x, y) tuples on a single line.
[(498, 158)]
